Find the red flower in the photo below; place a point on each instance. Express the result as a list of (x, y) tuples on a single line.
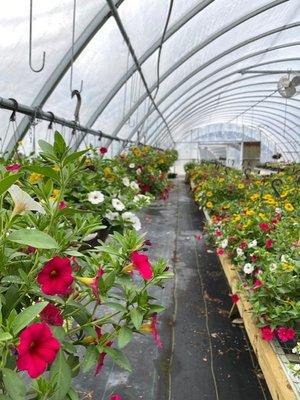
[(30, 250), (243, 245), (154, 331), (257, 284), (198, 237), (267, 333), (220, 251), (285, 333), (235, 298), (52, 315), (37, 349), (269, 244), (142, 264), (95, 284), (103, 150), (62, 205), (253, 258), (264, 227), (101, 357), (115, 397), (219, 233), (56, 276), (13, 167)]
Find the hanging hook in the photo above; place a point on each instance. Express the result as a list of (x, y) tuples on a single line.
[(78, 105), (247, 172), (50, 126), (30, 45), (275, 182), (12, 118), (72, 52)]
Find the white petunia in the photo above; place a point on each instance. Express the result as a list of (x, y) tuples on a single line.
[(126, 181), (117, 205), (278, 210), (273, 267), (239, 252), (111, 215), (96, 197), (132, 165), (139, 171), (253, 243), (248, 268), (134, 185), (23, 202), (283, 258), (224, 243), (133, 219)]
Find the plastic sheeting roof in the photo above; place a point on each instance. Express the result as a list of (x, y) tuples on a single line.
[(207, 44)]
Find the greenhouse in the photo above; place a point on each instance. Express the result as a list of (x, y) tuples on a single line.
[(150, 202)]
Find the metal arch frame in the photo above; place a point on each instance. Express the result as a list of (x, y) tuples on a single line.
[(261, 117), (213, 103), (236, 101), (213, 73), (196, 49), (209, 62), (62, 67), (152, 49)]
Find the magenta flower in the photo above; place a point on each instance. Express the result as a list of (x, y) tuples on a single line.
[(267, 333), (285, 333), (13, 167)]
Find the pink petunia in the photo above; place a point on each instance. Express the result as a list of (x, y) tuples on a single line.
[(142, 265), (285, 333), (267, 333), (56, 276)]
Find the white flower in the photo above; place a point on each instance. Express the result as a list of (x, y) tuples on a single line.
[(132, 165), (138, 171), (117, 204), (126, 181), (141, 198), (133, 219), (239, 252), (23, 202), (134, 185), (273, 266), (283, 258), (278, 210), (224, 243), (111, 215), (296, 367), (248, 268), (96, 197), (253, 243)]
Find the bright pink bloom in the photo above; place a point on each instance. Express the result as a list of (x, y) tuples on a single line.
[(115, 397), (243, 245), (257, 284), (142, 264), (267, 333), (62, 205), (30, 250), (37, 349), (219, 233), (198, 237), (285, 333), (103, 150), (235, 298), (264, 227), (56, 276), (269, 244), (154, 331), (220, 251), (101, 357), (13, 167), (52, 315)]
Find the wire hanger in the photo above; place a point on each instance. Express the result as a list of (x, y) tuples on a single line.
[(30, 45), (72, 53)]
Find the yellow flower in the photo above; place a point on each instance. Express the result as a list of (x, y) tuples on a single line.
[(209, 204), (226, 206), (136, 151), (34, 177), (221, 180), (284, 194), (87, 161), (247, 224), (287, 267), (250, 212), (55, 194), (288, 207), (262, 216), (241, 186), (108, 174), (236, 218), (209, 194), (254, 197)]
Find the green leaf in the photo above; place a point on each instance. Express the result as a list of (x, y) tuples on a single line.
[(124, 337), (59, 144), (90, 358), (26, 316), (156, 308), (5, 336), (46, 148), (46, 171), (14, 385), (33, 237), (119, 358), (72, 395), (60, 375), (136, 318), (116, 306), (72, 157), (6, 182), (2, 397)]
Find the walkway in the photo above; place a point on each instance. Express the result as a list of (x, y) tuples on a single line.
[(204, 357)]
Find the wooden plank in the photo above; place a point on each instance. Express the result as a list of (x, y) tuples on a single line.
[(280, 385)]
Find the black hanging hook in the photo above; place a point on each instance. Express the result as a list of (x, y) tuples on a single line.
[(247, 172), (275, 182), (50, 126), (12, 118), (78, 105)]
